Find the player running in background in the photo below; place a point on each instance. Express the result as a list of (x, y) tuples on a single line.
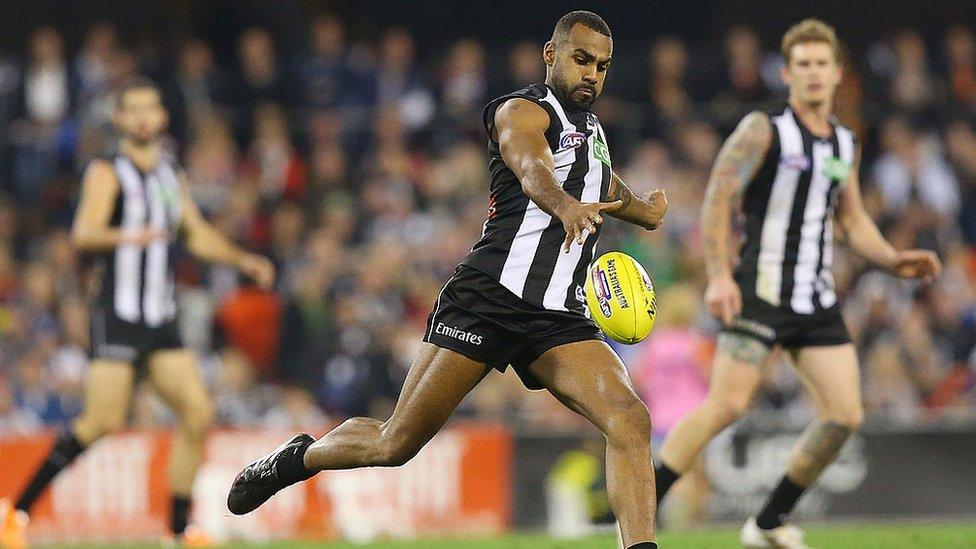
[(795, 173), (133, 208), (517, 298)]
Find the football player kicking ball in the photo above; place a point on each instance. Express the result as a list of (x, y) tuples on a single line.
[(517, 298), (795, 172)]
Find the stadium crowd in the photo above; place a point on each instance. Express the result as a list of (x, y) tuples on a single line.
[(358, 166)]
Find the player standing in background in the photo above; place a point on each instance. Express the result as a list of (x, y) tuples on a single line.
[(518, 297), (133, 208), (795, 172)]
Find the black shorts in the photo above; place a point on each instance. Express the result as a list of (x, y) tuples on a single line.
[(115, 339), (478, 317), (776, 326)]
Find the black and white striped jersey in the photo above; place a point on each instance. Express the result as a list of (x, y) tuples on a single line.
[(521, 245), (786, 255), (137, 283)]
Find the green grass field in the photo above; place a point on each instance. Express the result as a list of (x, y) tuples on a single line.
[(886, 536)]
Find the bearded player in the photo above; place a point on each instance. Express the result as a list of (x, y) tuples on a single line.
[(517, 297), (795, 173), (133, 209)]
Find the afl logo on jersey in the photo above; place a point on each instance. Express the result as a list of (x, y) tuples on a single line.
[(796, 161), (571, 140)]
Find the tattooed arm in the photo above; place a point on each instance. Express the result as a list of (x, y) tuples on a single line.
[(647, 212), (865, 240), (734, 167), (521, 133)]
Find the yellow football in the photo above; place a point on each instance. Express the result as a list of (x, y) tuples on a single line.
[(620, 297)]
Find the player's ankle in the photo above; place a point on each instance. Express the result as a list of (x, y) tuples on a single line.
[(291, 465)]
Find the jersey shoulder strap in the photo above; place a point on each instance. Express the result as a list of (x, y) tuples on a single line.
[(537, 93)]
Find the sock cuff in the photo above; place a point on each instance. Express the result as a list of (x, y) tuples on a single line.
[(291, 464), (644, 545), (66, 448)]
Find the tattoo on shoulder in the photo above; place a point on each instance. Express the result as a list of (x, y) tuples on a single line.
[(743, 348), (743, 151)]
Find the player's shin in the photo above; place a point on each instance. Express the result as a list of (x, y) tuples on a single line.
[(630, 480), (66, 448), (817, 448)]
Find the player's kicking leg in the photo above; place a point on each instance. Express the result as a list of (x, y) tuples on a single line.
[(832, 377), (588, 377), (438, 379), (735, 375), (176, 378), (108, 389)]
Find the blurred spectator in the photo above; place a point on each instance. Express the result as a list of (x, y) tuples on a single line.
[(912, 87), (46, 98), (272, 158), (400, 84), (464, 83), (918, 189), (960, 48), (249, 320), (259, 79)]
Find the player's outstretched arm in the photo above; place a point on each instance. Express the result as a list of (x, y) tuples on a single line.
[(865, 240), (736, 165), (91, 231), (521, 127), (207, 243), (647, 212)]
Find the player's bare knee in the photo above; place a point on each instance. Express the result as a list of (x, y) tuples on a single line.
[(727, 409), (849, 419), (628, 424), (196, 421), (111, 425)]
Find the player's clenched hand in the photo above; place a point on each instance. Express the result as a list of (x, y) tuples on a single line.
[(723, 298), (259, 268), (657, 203), (578, 217), (923, 264)]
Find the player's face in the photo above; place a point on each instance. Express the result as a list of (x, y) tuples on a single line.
[(579, 65), (140, 115), (813, 72)]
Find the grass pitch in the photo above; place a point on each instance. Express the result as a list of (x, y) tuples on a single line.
[(887, 536)]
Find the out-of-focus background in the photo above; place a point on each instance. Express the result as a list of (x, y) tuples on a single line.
[(344, 140)]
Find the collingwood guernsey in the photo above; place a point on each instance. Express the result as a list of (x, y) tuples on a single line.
[(789, 206), (137, 282), (521, 245)]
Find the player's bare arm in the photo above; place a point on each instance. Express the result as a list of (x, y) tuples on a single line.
[(735, 166), (647, 212), (865, 240), (521, 127), (207, 243), (91, 231)]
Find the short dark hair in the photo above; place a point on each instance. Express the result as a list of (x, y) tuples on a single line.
[(136, 83), (586, 18)]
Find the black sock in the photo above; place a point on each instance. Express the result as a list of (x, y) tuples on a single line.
[(664, 478), (65, 450), (780, 503), (291, 465), (179, 514), (644, 545)]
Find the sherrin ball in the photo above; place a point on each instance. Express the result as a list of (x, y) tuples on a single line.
[(620, 297)]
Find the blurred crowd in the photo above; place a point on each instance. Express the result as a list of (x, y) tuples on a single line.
[(359, 167)]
